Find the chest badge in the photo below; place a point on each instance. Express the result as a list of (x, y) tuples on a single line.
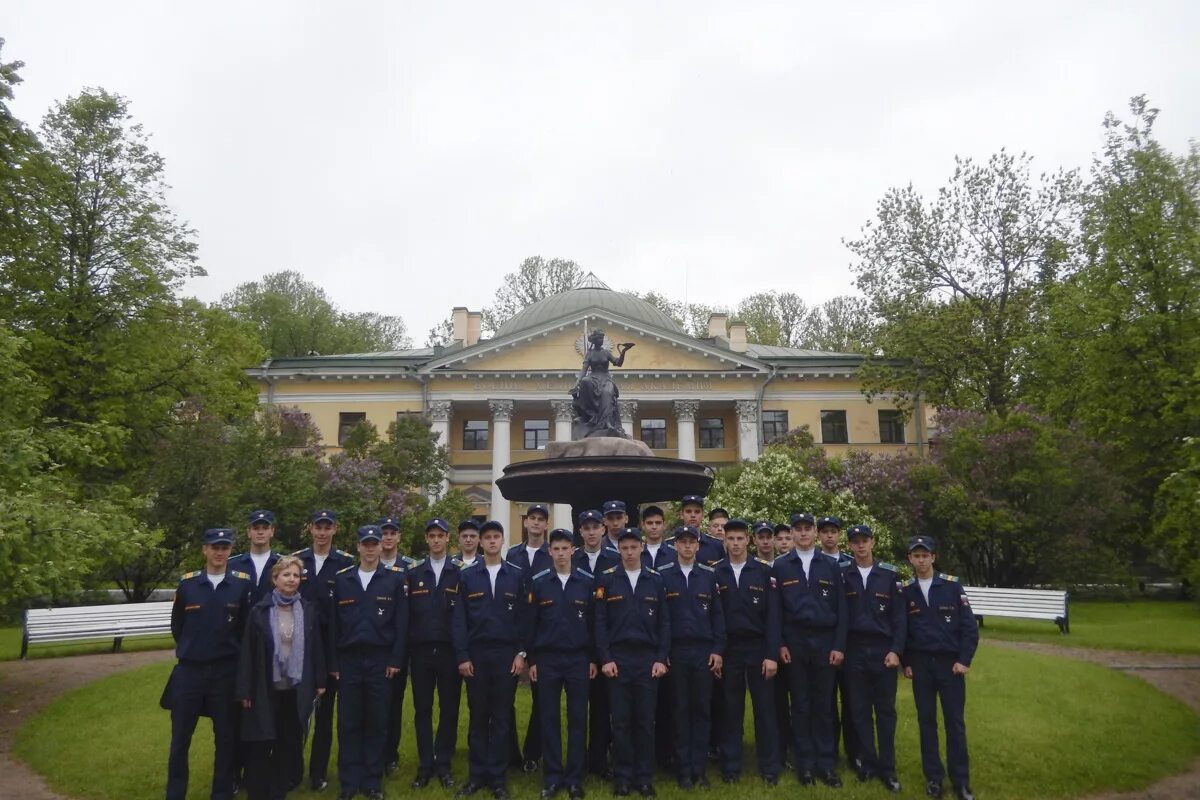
[(881, 608), (510, 606), (754, 600), (704, 606), (946, 617), (379, 611), (230, 618), (580, 613), (824, 593), (420, 584)]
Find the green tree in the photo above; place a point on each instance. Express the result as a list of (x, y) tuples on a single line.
[(956, 281), (294, 317), (842, 324), (775, 318), (536, 279)]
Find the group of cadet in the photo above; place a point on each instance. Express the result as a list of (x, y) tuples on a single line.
[(653, 640)]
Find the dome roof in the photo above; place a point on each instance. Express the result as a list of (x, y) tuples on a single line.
[(590, 292)]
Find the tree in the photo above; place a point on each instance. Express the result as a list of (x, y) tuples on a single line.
[(956, 281), (774, 318), (842, 324), (294, 317), (691, 317), (441, 334), (536, 279)]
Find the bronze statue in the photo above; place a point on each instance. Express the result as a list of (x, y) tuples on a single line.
[(596, 394)]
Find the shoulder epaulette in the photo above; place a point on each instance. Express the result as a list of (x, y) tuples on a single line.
[(611, 569), (394, 568), (456, 561), (243, 575), (714, 564), (762, 561), (585, 573), (344, 569), (300, 552), (945, 577), (670, 541), (668, 565), (706, 566), (344, 553), (887, 566), (517, 567), (422, 561), (651, 570), (473, 564), (909, 582), (542, 574), (516, 548), (187, 575), (407, 559)]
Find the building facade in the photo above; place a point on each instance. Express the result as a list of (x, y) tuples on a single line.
[(493, 402)]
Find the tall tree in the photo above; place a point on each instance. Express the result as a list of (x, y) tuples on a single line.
[(842, 324), (536, 279), (294, 317), (955, 281), (774, 318)]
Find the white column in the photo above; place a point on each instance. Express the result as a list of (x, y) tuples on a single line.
[(628, 409), (747, 414), (685, 427), (502, 411), (564, 415), (439, 422)]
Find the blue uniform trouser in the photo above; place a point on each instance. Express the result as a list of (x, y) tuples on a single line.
[(558, 672), (932, 678), (599, 725), (872, 705), (632, 697), (203, 688), (391, 747), (691, 683), (811, 681), (490, 697), (362, 717), (432, 665), (322, 733), (783, 712), (843, 726), (742, 669)]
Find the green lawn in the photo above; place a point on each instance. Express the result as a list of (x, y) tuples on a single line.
[(10, 646), (1039, 726), (1148, 625)]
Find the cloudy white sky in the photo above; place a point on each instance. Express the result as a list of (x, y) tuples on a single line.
[(405, 155)]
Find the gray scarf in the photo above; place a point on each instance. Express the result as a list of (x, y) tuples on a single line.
[(293, 668)]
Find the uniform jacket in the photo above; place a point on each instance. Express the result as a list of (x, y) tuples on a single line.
[(206, 621), (816, 603), (561, 618), (841, 558), (431, 602), (946, 624), (666, 555), (374, 617), (520, 556), (483, 619), (242, 562), (712, 550), (607, 558), (254, 677), (402, 561), (696, 613), (875, 612), (625, 615), (319, 586), (751, 606)]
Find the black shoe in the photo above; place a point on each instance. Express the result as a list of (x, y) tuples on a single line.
[(420, 781), (550, 791), (891, 782), (318, 784), (714, 754), (702, 782), (830, 778), (346, 795), (621, 790), (863, 775), (575, 792), (730, 777), (646, 790), (469, 788), (933, 788), (771, 780), (375, 794), (500, 793), (964, 793), (530, 765), (392, 768), (446, 781), (806, 777), (685, 783)]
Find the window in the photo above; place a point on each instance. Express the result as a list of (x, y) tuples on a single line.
[(833, 427), (654, 433), (712, 432), (346, 422), (891, 427), (775, 425), (475, 434), (537, 433)]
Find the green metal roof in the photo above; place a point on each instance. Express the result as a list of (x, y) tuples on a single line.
[(590, 293)]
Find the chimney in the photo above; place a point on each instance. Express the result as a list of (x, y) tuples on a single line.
[(716, 324), (458, 317), (737, 336), (474, 327)]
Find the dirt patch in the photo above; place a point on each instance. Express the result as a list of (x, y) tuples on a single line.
[(26, 687)]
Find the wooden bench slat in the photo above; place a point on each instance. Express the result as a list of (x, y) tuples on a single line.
[(83, 623)]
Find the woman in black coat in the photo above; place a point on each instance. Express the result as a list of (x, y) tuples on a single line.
[(280, 677)]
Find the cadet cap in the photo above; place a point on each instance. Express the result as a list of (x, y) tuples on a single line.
[(591, 515), (561, 535), (799, 517), (439, 523), (369, 533), (688, 532), (490, 525), (922, 543), (390, 522), (538, 508), (324, 515), (262, 515), (613, 507), (860, 530), (829, 522), (629, 533), (219, 536)]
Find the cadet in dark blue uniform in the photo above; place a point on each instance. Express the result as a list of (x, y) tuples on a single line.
[(258, 562), (752, 627), (489, 642), (616, 519), (390, 556), (207, 621), (432, 593), (633, 637), (875, 637), (784, 544), (562, 657), (532, 556), (813, 603), (942, 638), (369, 630), (594, 557), (763, 534), (712, 539), (697, 645), (468, 543), (322, 562), (657, 550), (829, 534)]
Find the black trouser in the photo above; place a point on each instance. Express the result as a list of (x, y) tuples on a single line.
[(363, 717), (664, 748), (632, 697), (717, 714), (599, 725), (432, 666), (556, 672), (322, 732), (391, 746), (203, 688), (490, 697), (533, 731), (843, 726), (271, 766), (742, 669), (872, 704), (783, 713), (933, 678), (691, 683), (811, 681)]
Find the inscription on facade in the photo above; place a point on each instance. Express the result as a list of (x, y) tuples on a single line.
[(633, 386)]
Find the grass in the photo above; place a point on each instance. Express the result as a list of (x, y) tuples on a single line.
[(1144, 625), (10, 646), (1038, 726)]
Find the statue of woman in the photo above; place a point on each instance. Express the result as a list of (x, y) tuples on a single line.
[(595, 394)]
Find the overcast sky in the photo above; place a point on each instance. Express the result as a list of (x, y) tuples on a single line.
[(405, 156)]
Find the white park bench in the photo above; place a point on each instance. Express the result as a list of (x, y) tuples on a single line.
[(88, 623), (1048, 604)]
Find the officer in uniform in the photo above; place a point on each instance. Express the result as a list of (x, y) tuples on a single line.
[(369, 627), (691, 511), (432, 594), (488, 630), (532, 556), (829, 532), (207, 620), (752, 627), (783, 539), (712, 541), (594, 558), (562, 658), (389, 547), (633, 638), (697, 648), (468, 543), (813, 603), (657, 551), (764, 540), (257, 563), (616, 519), (322, 561), (874, 641), (390, 556), (942, 638)]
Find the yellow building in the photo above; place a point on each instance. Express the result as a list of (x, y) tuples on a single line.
[(496, 401)]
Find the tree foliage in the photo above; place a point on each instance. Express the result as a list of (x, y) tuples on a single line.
[(535, 279)]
